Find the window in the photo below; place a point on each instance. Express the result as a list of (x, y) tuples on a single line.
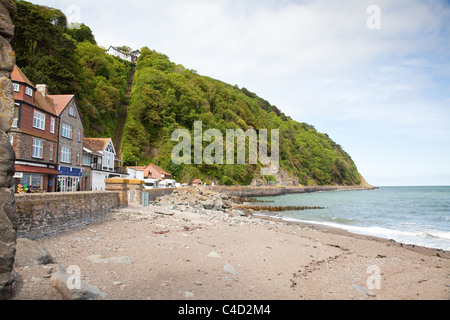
[(16, 87), (79, 135), (65, 154), (15, 122), (33, 180), (86, 159), (66, 131), (52, 125), (51, 152), (39, 120), (68, 184), (37, 148), (78, 159), (29, 91), (72, 111), (11, 140)]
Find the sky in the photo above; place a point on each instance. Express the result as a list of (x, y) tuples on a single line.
[(374, 75)]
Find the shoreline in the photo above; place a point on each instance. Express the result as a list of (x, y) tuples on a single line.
[(192, 245), (260, 191), (336, 230)]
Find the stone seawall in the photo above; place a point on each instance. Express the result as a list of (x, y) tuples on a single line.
[(42, 215), (278, 191), (156, 193)]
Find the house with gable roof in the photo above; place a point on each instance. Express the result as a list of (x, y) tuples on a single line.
[(152, 171), (99, 160), (116, 52), (34, 135), (70, 145)]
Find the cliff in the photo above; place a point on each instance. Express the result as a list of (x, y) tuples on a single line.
[(167, 96)]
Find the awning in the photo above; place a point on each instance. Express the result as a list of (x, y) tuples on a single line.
[(32, 169)]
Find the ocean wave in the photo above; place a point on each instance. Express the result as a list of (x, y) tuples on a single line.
[(431, 239), (437, 235)]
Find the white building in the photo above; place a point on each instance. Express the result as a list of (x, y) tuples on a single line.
[(131, 57), (135, 174), (100, 156)]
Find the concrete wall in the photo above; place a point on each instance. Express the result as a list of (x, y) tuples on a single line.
[(46, 214)]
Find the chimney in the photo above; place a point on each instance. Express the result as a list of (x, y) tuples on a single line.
[(42, 88)]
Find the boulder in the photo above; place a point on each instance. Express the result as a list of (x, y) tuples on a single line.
[(31, 253), (8, 219), (85, 291)]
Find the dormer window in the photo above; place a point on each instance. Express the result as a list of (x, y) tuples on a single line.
[(16, 87), (29, 91)]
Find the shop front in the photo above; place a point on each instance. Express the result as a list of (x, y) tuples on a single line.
[(69, 179), (30, 179)]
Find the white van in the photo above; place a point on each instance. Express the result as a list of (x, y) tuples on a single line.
[(151, 183), (167, 184)]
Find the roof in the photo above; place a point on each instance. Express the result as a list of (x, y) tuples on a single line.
[(96, 144), (147, 169), (159, 169), (41, 102), (137, 168), (31, 169), (61, 101), (196, 181), (18, 76), (44, 103), (87, 148), (54, 104)]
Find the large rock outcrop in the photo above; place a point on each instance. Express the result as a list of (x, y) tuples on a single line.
[(8, 225)]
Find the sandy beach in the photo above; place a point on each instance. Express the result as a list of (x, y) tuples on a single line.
[(149, 254)]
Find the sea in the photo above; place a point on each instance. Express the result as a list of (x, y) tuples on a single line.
[(410, 215)]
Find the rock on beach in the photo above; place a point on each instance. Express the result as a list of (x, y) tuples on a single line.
[(31, 253)]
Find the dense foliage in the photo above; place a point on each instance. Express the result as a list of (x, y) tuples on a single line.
[(165, 97), (69, 61)]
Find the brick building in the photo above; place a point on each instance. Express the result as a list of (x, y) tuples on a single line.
[(34, 135), (47, 136), (70, 143), (152, 171)]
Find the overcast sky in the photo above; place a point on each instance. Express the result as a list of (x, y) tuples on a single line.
[(374, 75)]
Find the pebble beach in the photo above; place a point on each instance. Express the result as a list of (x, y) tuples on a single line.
[(198, 246)]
